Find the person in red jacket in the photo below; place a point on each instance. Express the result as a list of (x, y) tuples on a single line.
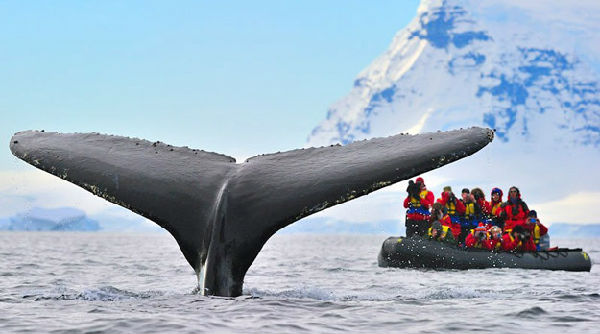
[(536, 228), (484, 206), (518, 240), (477, 238), (418, 202), (495, 204), (514, 211), (494, 242)]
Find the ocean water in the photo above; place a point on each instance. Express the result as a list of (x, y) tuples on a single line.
[(126, 283)]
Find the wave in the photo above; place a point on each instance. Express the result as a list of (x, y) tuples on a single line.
[(105, 293), (304, 292), (457, 293), (529, 313)]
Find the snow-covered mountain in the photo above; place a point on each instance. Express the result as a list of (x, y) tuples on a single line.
[(527, 69), (451, 68)]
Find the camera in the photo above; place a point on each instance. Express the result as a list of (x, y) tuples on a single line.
[(480, 235), (524, 236), (414, 189)]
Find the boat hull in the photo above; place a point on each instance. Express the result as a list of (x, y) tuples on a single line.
[(403, 252)]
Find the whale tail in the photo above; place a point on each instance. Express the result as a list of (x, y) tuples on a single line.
[(221, 213)]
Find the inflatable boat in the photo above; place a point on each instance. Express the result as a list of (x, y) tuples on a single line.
[(417, 252)]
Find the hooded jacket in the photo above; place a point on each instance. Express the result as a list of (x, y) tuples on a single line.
[(495, 205), (514, 213)]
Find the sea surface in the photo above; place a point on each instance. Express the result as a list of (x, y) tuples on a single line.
[(69, 282)]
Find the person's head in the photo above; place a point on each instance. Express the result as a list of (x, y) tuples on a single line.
[(496, 233), (465, 194), (421, 182), (496, 195), (480, 232), (477, 194), (447, 190), (436, 229), (437, 210), (514, 192), (532, 217)]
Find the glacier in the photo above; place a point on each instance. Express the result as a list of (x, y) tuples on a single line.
[(528, 70)]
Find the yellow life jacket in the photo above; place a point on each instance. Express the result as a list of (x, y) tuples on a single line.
[(450, 208), (513, 240), (469, 210), (415, 202), (495, 208), (444, 231), (536, 234)]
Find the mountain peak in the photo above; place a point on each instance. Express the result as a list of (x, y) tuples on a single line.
[(449, 67)]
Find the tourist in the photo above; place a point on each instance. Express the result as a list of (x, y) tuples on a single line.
[(495, 205), (439, 232), (514, 210), (454, 209), (518, 240), (469, 219), (418, 202), (537, 230), (484, 211), (477, 237), (494, 241)]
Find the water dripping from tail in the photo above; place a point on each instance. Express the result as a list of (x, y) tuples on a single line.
[(200, 276)]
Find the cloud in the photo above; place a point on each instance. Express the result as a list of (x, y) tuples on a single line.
[(576, 208), (22, 190)]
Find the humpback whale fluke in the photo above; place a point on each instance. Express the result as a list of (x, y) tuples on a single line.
[(221, 213)]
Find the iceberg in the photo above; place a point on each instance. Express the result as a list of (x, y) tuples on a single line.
[(57, 219)]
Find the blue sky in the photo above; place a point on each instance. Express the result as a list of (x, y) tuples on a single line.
[(239, 78)]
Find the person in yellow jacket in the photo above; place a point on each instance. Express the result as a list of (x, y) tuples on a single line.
[(440, 233)]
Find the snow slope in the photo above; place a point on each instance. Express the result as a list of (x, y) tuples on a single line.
[(528, 70)]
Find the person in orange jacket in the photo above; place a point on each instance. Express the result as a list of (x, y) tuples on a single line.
[(495, 205), (518, 240), (514, 210), (536, 228), (494, 242), (477, 238), (418, 202)]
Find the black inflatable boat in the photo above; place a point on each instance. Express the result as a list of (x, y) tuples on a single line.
[(419, 252)]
